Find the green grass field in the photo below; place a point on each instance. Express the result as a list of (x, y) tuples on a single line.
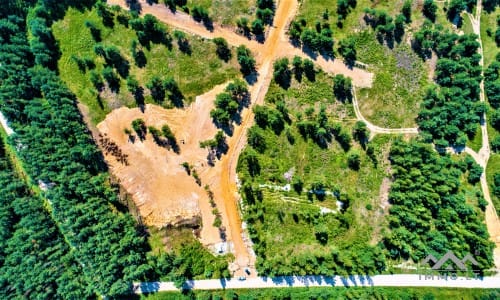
[(399, 85), (490, 49), (195, 73)]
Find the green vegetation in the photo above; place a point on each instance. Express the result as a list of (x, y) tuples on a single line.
[(299, 155), (92, 225), (489, 27), (431, 211), (317, 39), (222, 12), (491, 171), (180, 256), (229, 104), (399, 84), (334, 293), (246, 60), (451, 113), (31, 244), (144, 45)]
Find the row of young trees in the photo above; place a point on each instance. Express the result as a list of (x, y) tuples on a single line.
[(35, 261)]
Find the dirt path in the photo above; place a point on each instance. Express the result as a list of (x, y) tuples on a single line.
[(185, 22), (285, 10), (181, 20), (492, 220), (374, 129)]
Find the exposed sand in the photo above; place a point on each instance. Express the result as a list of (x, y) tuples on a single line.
[(162, 190)]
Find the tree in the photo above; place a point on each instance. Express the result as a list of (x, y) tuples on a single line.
[(399, 28), (282, 74), (347, 49), (200, 14), (132, 84), (309, 71), (495, 119), (455, 7), (257, 27), (429, 10), (223, 51), (495, 144), (342, 87), (360, 132), (354, 160), (246, 60), (256, 139), (94, 31), (96, 80), (111, 78), (406, 11), (475, 172), (297, 67), (266, 15), (157, 89), (182, 42), (496, 184), (140, 128)]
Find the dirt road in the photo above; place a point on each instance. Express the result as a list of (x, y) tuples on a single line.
[(492, 220), (360, 77)]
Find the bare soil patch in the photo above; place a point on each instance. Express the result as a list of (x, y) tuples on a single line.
[(160, 186)]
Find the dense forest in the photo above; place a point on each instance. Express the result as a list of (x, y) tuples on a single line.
[(451, 111), (334, 293), (35, 261), (431, 211), (100, 246), (105, 241)]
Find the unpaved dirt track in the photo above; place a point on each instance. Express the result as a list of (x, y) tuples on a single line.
[(492, 221), (180, 20), (374, 129)]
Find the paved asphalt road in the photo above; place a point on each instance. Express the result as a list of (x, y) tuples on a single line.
[(324, 281)]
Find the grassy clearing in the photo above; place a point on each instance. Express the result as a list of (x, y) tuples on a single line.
[(288, 220), (195, 73), (312, 10), (399, 85), (227, 12), (476, 143), (490, 49), (333, 293), (466, 24), (492, 168)]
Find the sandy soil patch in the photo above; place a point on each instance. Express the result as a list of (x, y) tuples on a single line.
[(162, 190)]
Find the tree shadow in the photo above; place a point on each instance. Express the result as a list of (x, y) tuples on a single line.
[(140, 59), (139, 98), (252, 78), (134, 5)]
